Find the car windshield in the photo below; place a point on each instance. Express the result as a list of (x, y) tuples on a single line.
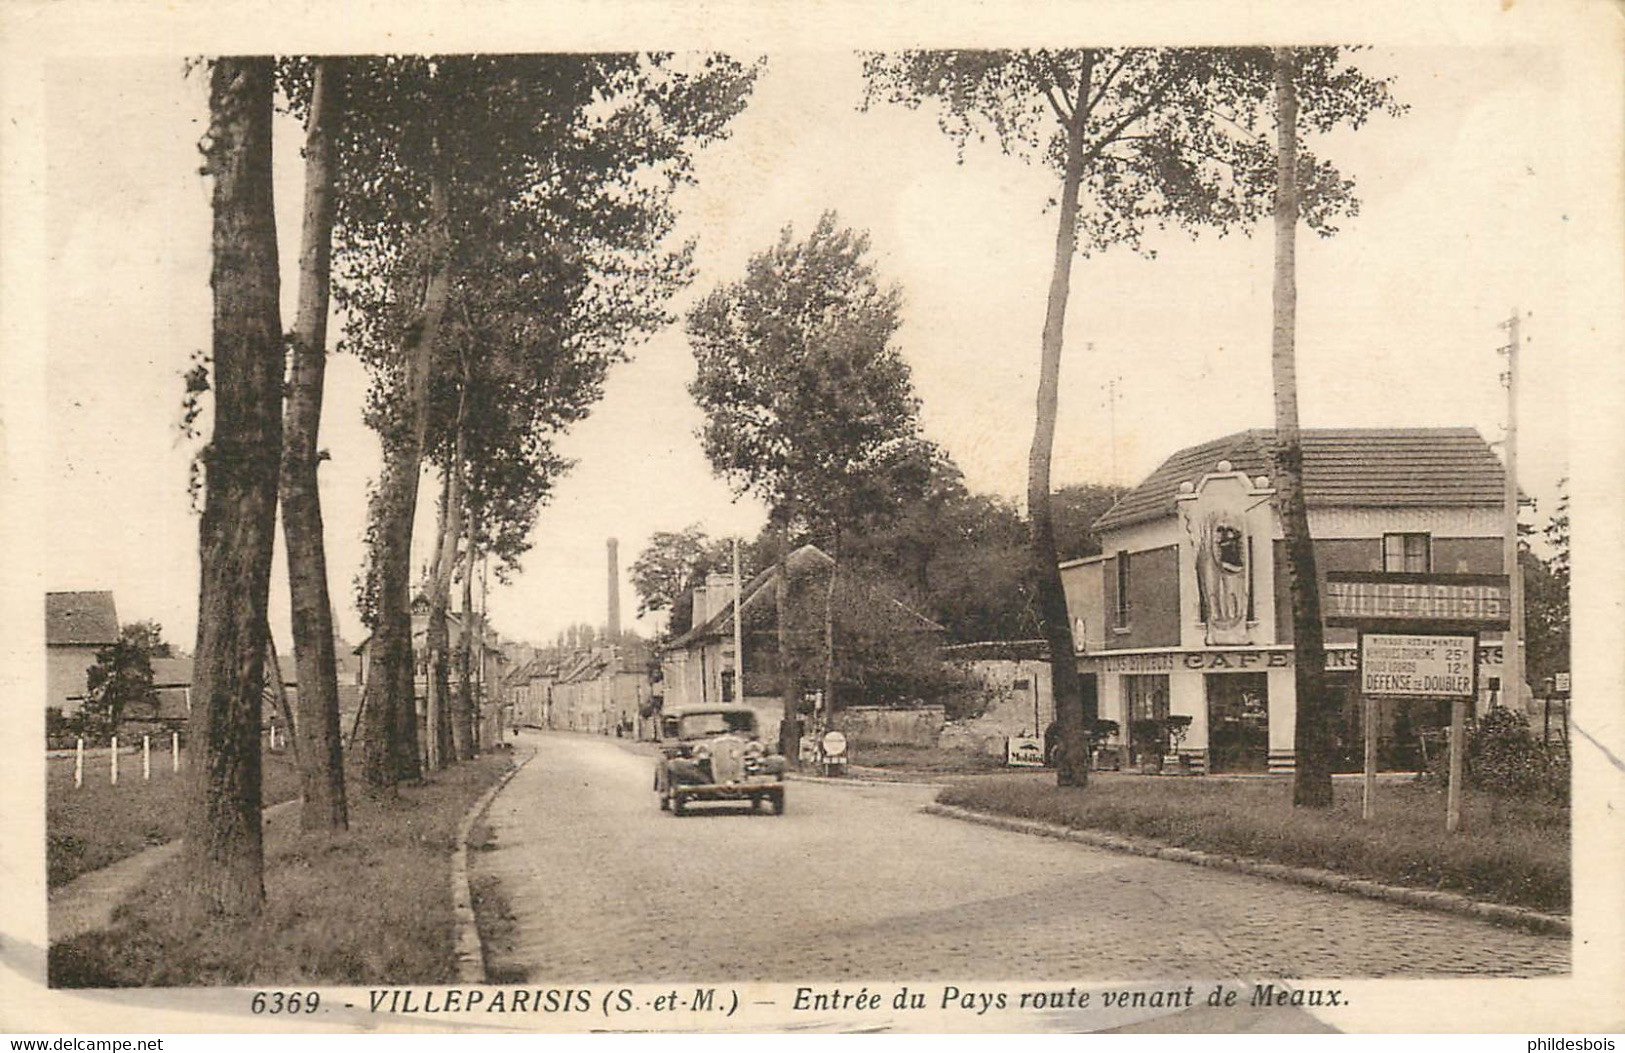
[(700, 725)]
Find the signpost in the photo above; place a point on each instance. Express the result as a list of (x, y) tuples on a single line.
[(1410, 666), (1418, 640)]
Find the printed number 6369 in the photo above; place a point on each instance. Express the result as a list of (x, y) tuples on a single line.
[(285, 1002)]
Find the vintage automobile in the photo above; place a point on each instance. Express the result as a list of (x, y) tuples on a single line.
[(715, 753)]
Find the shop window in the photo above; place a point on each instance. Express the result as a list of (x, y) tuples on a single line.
[(1407, 553), (1122, 590), (1145, 704), (727, 685)]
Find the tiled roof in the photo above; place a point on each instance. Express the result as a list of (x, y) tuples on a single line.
[(1342, 468), (757, 590), (172, 672), (80, 618)]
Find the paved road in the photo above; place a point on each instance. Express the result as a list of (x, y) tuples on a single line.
[(601, 884)]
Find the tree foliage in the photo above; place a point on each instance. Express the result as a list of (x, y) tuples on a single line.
[(500, 239), (1546, 597), (120, 678), (1075, 509), (666, 564), (808, 404), (1174, 137)]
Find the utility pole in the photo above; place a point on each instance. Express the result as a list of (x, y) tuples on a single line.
[(1512, 650), (1111, 415), (739, 631)]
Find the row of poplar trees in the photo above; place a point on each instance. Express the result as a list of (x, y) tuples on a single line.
[(491, 231)]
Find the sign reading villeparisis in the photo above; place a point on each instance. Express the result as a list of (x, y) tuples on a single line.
[(1417, 666), (1458, 601)]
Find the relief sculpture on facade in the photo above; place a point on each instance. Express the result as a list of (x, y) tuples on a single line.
[(1214, 515)]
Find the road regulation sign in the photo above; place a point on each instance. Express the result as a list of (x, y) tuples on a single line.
[(1412, 665)]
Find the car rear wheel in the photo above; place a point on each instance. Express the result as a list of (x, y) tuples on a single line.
[(777, 800), (665, 803)]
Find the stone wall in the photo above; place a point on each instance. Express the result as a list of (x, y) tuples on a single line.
[(1012, 686), (887, 726)]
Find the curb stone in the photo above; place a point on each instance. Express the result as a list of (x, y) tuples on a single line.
[(1425, 899), (469, 953)]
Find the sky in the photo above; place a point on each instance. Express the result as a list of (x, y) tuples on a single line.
[(1473, 203)]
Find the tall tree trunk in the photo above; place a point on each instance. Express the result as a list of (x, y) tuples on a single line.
[(462, 717), (316, 729), (223, 836), (1312, 779), (437, 637), (392, 742), (829, 630), (442, 749), (1072, 761), (389, 708)]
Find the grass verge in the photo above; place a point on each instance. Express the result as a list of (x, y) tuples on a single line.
[(99, 823), (370, 906), (1508, 851)]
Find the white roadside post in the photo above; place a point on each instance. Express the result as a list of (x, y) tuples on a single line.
[(174, 751), (146, 758), (79, 763), (113, 753)]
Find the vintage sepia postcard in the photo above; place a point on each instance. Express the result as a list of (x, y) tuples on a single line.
[(766, 517)]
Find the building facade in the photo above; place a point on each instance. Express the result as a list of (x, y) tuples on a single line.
[(1183, 624), (77, 625)]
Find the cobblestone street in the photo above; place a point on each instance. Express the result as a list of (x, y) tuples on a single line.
[(853, 882)]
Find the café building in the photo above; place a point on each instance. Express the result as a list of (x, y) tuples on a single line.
[(1183, 624)]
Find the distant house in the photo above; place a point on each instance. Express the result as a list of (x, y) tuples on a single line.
[(528, 690), (77, 625), (172, 681), (490, 667), (1185, 618), (603, 689), (697, 668)]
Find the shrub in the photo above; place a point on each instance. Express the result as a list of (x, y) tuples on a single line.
[(1504, 758)]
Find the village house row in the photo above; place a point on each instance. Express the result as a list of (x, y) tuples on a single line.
[(1182, 625)]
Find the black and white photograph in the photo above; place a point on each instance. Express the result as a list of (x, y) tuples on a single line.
[(781, 518)]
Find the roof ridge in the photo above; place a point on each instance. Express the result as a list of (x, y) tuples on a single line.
[(1450, 466)]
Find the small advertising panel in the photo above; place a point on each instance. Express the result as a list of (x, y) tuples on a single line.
[(1406, 665), (1024, 751)]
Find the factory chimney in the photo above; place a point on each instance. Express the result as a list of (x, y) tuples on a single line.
[(614, 594)]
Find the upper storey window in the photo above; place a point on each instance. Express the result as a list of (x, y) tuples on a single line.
[(1407, 553)]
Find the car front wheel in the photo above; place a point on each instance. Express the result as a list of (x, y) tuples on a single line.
[(777, 800), (678, 802)]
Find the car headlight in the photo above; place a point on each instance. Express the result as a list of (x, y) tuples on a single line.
[(702, 753)]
